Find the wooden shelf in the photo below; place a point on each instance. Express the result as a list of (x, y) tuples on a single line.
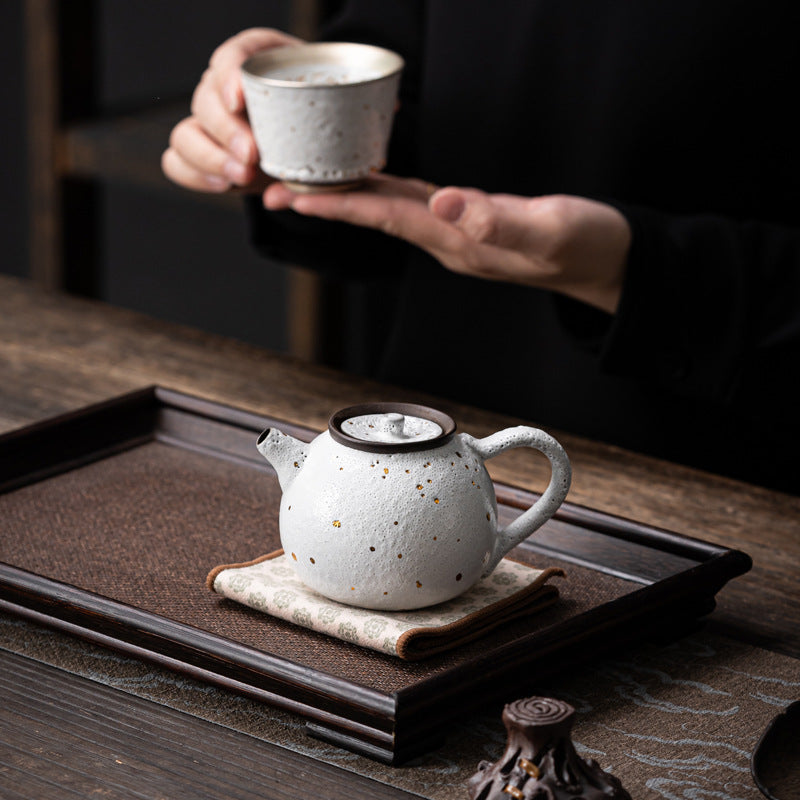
[(127, 148), (71, 150)]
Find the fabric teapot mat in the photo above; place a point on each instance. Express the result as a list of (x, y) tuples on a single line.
[(671, 721), (270, 584)]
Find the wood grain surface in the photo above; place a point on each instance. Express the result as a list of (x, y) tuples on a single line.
[(64, 737), (59, 353)]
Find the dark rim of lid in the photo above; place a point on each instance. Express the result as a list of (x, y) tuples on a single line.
[(445, 422)]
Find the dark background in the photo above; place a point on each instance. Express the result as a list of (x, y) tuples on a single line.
[(144, 245), (13, 192)]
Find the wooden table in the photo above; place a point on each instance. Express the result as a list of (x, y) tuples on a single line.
[(60, 353)]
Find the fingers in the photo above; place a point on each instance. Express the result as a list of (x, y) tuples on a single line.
[(234, 51), (456, 226), (462, 228), (230, 131), (464, 233), (502, 220), (448, 204), (218, 101), (278, 198), (198, 162), (230, 55), (395, 206), (179, 171), (214, 149)]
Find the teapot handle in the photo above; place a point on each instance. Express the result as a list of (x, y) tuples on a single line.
[(544, 508)]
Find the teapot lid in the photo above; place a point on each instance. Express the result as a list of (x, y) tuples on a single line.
[(391, 427)]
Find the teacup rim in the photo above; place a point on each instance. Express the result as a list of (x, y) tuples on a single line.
[(252, 71)]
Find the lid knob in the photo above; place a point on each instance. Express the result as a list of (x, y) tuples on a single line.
[(393, 424)]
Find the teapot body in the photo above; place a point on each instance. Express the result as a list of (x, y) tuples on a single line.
[(390, 509), (390, 531)]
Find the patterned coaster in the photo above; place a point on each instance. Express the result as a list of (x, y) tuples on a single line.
[(269, 584)]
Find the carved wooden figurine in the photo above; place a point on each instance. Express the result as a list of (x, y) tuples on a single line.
[(540, 761)]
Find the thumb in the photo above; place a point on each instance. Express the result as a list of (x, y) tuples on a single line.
[(470, 210), (231, 54), (507, 221)]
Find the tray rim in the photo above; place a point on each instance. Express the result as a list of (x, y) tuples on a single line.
[(375, 723)]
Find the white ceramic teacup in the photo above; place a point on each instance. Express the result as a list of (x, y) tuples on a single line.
[(322, 113)]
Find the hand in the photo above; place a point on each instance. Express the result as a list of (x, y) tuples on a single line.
[(214, 150), (571, 245)]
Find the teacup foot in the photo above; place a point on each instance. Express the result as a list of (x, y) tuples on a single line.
[(321, 188)]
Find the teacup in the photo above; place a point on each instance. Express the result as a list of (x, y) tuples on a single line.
[(322, 113)]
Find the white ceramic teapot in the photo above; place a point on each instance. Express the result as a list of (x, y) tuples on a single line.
[(391, 509)]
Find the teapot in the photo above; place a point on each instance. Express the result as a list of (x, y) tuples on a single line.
[(391, 509)]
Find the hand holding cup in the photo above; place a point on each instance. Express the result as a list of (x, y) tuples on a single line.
[(213, 149)]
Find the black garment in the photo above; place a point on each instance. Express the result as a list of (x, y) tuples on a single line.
[(681, 115)]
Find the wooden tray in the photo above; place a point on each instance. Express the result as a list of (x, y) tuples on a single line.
[(110, 518)]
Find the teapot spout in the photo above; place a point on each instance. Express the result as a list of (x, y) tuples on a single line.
[(285, 453)]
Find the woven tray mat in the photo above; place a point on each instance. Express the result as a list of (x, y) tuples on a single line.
[(144, 528)]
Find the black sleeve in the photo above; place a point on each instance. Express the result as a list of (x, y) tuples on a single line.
[(333, 249), (710, 308)]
